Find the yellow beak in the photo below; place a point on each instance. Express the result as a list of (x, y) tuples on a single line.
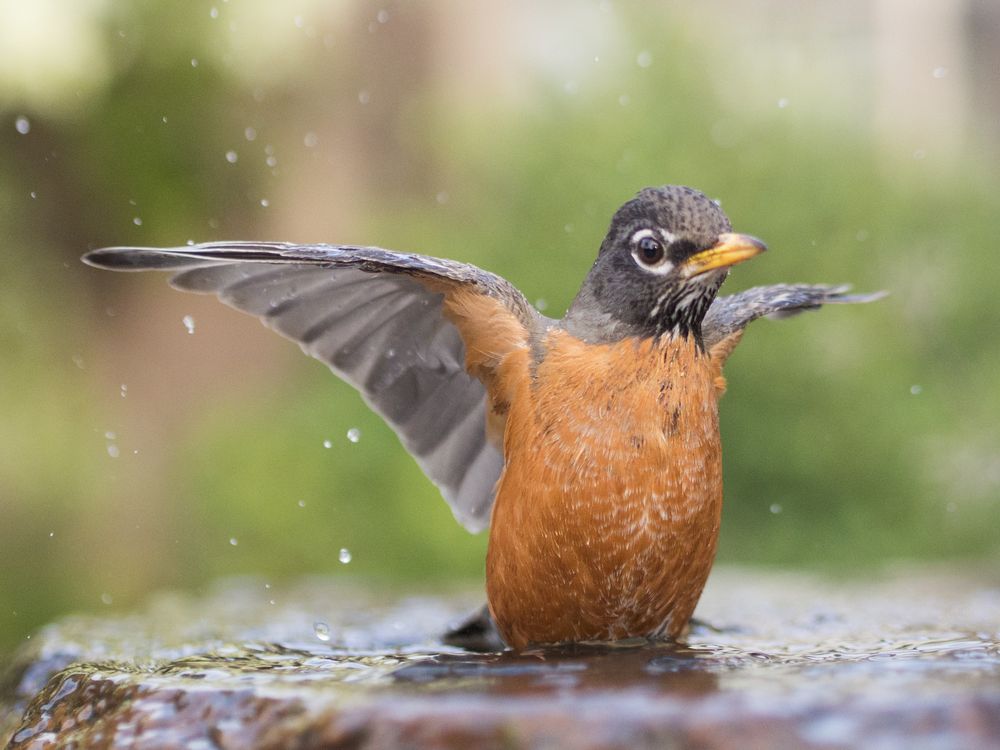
[(728, 251)]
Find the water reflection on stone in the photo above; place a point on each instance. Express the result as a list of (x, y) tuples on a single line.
[(784, 659)]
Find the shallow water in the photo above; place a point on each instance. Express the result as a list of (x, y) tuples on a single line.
[(911, 659)]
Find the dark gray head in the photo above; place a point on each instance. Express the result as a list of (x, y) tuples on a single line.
[(666, 254)]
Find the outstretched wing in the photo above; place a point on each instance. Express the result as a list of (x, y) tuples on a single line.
[(419, 337), (729, 315)]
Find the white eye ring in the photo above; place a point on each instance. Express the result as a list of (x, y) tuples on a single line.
[(660, 266)]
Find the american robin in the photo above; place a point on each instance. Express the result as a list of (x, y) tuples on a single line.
[(588, 445)]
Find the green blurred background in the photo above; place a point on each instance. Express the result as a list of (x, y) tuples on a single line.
[(860, 140)]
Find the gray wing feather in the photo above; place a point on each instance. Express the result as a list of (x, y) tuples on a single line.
[(363, 312), (732, 313)]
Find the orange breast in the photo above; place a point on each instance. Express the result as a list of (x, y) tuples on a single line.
[(607, 513)]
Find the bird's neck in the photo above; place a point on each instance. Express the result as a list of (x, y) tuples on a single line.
[(675, 318)]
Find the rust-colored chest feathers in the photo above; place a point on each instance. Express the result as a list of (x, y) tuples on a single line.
[(607, 512)]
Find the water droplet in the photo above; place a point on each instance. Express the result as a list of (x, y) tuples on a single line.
[(442, 197), (354, 434), (383, 16), (302, 503), (233, 541), (916, 390), (250, 134), (109, 435), (232, 157), (164, 119), (783, 103), (311, 140), (267, 587), (939, 72), (106, 598), (113, 450), (77, 360), (213, 13), (322, 630), (271, 161), (33, 194), (51, 534), (271, 602), (123, 390), (265, 202), (194, 62), (644, 59), (137, 221), (541, 304), (327, 443), (344, 556), (188, 322), (364, 96), (775, 508), (23, 125)]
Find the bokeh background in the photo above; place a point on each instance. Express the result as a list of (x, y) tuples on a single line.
[(859, 139)]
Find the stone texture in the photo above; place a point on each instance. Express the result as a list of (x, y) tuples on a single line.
[(909, 661)]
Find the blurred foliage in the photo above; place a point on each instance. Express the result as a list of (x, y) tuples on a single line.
[(853, 437)]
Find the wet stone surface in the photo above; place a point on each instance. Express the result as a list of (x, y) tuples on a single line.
[(911, 660)]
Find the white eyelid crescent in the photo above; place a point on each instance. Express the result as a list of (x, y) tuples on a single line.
[(664, 266)]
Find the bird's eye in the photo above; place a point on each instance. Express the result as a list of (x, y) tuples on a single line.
[(649, 251)]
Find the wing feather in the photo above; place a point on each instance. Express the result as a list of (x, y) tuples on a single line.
[(377, 319), (730, 314)]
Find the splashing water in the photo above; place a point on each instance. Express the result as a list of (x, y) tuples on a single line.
[(322, 631)]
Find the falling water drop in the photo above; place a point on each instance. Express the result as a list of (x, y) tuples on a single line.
[(322, 631), (354, 434), (188, 322), (344, 556)]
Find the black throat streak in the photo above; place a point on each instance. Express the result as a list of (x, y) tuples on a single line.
[(680, 314)]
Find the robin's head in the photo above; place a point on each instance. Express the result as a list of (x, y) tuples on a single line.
[(666, 254)]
